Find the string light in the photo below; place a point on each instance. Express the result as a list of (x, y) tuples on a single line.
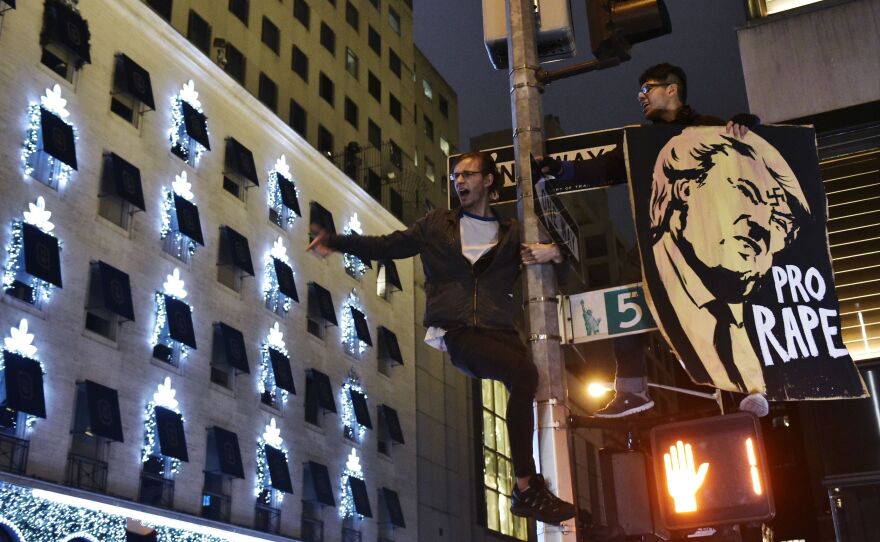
[(350, 426), (284, 216), (181, 143), (275, 300), (173, 287), (183, 188), (59, 172), (38, 216), (353, 265), (266, 384), (264, 490), (350, 340), (164, 397), (353, 470)]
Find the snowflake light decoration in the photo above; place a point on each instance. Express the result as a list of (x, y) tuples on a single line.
[(275, 300), (353, 470), (59, 172), (353, 265), (164, 397), (173, 287), (183, 188), (350, 426), (181, 143), (283, 216), (36, 216), (350, 340), (272, 437), (266, 384)]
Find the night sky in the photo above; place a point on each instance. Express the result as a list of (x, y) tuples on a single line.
[(703, 41)]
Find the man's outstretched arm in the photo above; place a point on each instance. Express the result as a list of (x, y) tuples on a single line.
[(395, 245)]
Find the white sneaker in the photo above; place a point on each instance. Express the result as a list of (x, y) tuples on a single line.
[(755, 403)]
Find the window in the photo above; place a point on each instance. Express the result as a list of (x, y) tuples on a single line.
[(132, 90), (325, 141), (374, 185), (389, 429), (444, 106), (326, 89), (351, 62), (394, 20), (65, 39), (268, 92), (299, 63), (319, 396), (394, 107), (233, 259), (109, 303), (429, 170), (162, 7), (216, 496), (92, 434), (429, 127), (321, 312), (351, 112), (121, 193), (374, 86), (228, 355), (389, 348), (328, 38), (239, 170), (396, 154), (271, 36), (302, 12), (374, 40), (763, 8), (395, 203), (239, 8), (297, 118), (198, 31), (375, 3), (352, 17), (374, 134), (444, 146), (236, 63), (427, 90), (394, 63)]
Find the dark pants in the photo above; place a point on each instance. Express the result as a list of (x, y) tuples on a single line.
[(630, 353), (501, 355)]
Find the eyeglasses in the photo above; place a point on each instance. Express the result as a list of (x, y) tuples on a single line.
[(466, 174), (646, 88)]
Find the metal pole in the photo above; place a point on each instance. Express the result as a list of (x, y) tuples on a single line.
[(552, 452)]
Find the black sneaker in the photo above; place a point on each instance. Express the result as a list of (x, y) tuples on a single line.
[(624, 404), (537, 502)]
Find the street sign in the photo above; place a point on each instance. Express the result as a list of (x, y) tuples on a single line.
[(603, 314)]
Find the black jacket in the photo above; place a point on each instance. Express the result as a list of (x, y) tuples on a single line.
[(458, 294)]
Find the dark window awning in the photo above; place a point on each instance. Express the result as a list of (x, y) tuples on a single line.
[(235, 251), (97, 411), (125, 181), (196, 125), (113, 291), (279, 473), (321, 304), (186, 216), (288, 194), (42, 258), (389, 348), (322, 391), (388, 273), (229, 348), (56, 138), (224, 455), (66, 28), (391, 423), (133, 79), (321, 216), (10, 3), (286, 282), (360, 326), (172, 440), (281, 370), (317, 486), (392, 506), (240, 161), (361, 410), (22, 386), (359, 496), (179, 317)]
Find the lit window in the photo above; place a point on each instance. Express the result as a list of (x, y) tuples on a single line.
[(429, 170), (426, 88), (762, 8), (351, 62), (444, 145)]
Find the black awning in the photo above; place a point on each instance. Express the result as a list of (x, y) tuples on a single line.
[(286, 282), (57, 138), (389, 348), (97, 411), (235, 251), (392, 423), (392, 505), (179, 317), (321, 304), (281, 370), (65, 27), (321, 216), (22, 388), (323, 391), (188, 221), (279, 473), (10, 3), (229, 347), (359, 495), (392, 278), (224, 455), (288, 194), (361, 410), (196, 124), (317, 487), (42, 258), (172, 440), (239, 159), (360, 326), (134, 79), (126, 181), (114, 293)]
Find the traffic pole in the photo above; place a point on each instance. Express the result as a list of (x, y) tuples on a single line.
[(552, 452)]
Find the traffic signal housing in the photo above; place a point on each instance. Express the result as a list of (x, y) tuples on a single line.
[(617, 25), (555, 35), (711, 471)]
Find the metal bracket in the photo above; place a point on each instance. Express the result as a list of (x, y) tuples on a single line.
[(527, 129), (541, 299), (535, 337)]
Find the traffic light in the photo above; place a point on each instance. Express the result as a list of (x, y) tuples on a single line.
[(617, 25), (555, 37), (711, 471)]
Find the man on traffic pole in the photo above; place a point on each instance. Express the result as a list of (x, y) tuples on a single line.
[(472, 259)]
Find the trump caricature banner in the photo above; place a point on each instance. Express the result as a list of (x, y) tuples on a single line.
[(732, 236)]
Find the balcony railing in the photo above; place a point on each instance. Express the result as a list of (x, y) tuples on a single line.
[(156, 490), (86, 473), (312, 530), (215, 506), (267, 518), (13, 454), (350, 535)]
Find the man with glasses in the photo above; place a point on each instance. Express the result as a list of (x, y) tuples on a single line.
[(662, 95), (472, 259)]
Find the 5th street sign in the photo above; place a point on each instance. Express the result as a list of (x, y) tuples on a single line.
[(602, 314)]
